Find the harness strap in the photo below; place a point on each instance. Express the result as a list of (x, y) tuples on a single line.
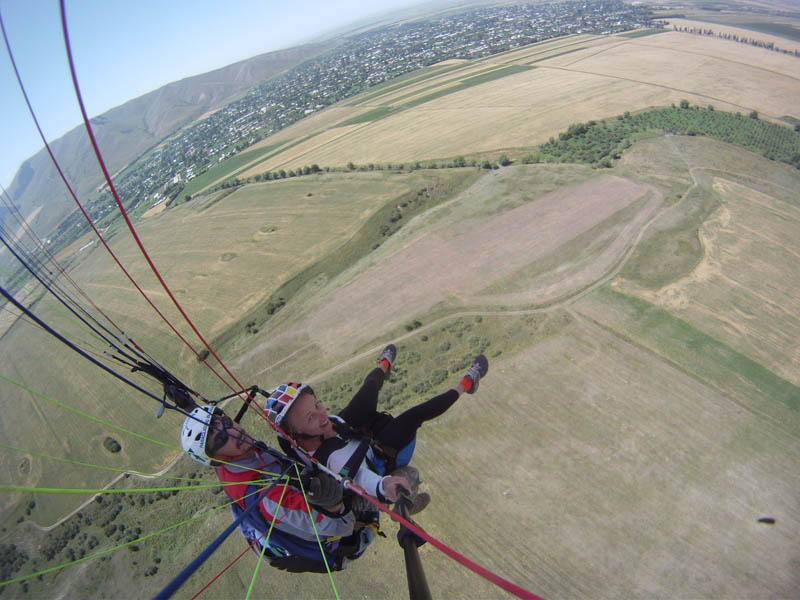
[(353, 463)]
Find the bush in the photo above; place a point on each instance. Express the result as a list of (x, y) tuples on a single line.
[(438, 376), (111, 445), (531, 159)]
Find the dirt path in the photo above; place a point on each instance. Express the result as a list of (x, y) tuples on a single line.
[(108, 486)]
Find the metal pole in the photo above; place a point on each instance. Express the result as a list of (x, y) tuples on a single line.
[(415, 574)]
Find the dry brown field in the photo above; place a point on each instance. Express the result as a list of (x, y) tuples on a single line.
[(642, 409), (574, 79)]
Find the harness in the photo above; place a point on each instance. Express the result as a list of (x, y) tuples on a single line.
[(286, 551), (386, 459)]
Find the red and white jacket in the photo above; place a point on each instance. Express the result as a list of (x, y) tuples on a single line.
[(284, 503)]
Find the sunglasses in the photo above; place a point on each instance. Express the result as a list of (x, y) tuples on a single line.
[(221, 425)]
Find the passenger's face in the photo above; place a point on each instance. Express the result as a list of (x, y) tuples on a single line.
[(228, 439), (308, 416)]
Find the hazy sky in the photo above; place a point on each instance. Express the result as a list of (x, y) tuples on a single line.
[(125, 48)]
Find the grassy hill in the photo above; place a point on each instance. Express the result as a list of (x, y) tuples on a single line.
[(624, 424), (641, 410)]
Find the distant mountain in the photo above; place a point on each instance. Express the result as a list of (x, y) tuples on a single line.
[(125, 132)]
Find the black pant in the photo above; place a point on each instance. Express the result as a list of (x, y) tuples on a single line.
[(392, 432)]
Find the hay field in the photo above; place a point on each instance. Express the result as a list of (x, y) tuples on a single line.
[(574, 79)]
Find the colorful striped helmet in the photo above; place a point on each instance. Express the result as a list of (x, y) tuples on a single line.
[(282, 398)]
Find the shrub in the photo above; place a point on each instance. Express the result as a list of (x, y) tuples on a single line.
[(111, 445), (438, 376)]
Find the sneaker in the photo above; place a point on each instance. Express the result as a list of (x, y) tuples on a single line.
[(389, 354), (479, 368)]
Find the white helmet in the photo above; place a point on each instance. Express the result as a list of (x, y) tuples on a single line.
[(195, 432)]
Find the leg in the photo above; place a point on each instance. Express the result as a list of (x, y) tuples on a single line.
[(363, 408), (402, 429)]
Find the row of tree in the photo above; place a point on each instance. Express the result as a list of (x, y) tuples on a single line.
[(600, 142), (736, 38)]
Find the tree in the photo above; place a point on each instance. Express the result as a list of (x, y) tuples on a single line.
[(753, 115), (504, 160), (351, 166), (684, 103)]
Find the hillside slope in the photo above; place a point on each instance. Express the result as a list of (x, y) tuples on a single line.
[(125, 132)]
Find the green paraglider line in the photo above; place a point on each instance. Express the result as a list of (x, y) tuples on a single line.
[(115, 548)]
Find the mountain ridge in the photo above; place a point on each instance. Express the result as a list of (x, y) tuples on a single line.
[(127, 131)]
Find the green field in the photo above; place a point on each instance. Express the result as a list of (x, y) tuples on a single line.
[(470, 82), (642, 33), (224, 169)]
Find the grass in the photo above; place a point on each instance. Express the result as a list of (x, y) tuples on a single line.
[(642, 33), (570, 256), (697, 352), (674, 250), (549, 56), (779, 29), (397, 104), (379, 227), (374, 115), (402, 81), (595, 430), (223, 169), (470, 82)]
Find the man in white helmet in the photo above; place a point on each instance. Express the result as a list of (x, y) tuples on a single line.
[(249, 467)]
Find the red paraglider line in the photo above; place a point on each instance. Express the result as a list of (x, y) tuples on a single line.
[(124, 213), (89, 220)]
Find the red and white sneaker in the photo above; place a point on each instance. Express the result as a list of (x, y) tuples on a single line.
[(479, 368)]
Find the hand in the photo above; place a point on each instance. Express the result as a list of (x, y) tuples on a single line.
[(394, 485), (322, 489)]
